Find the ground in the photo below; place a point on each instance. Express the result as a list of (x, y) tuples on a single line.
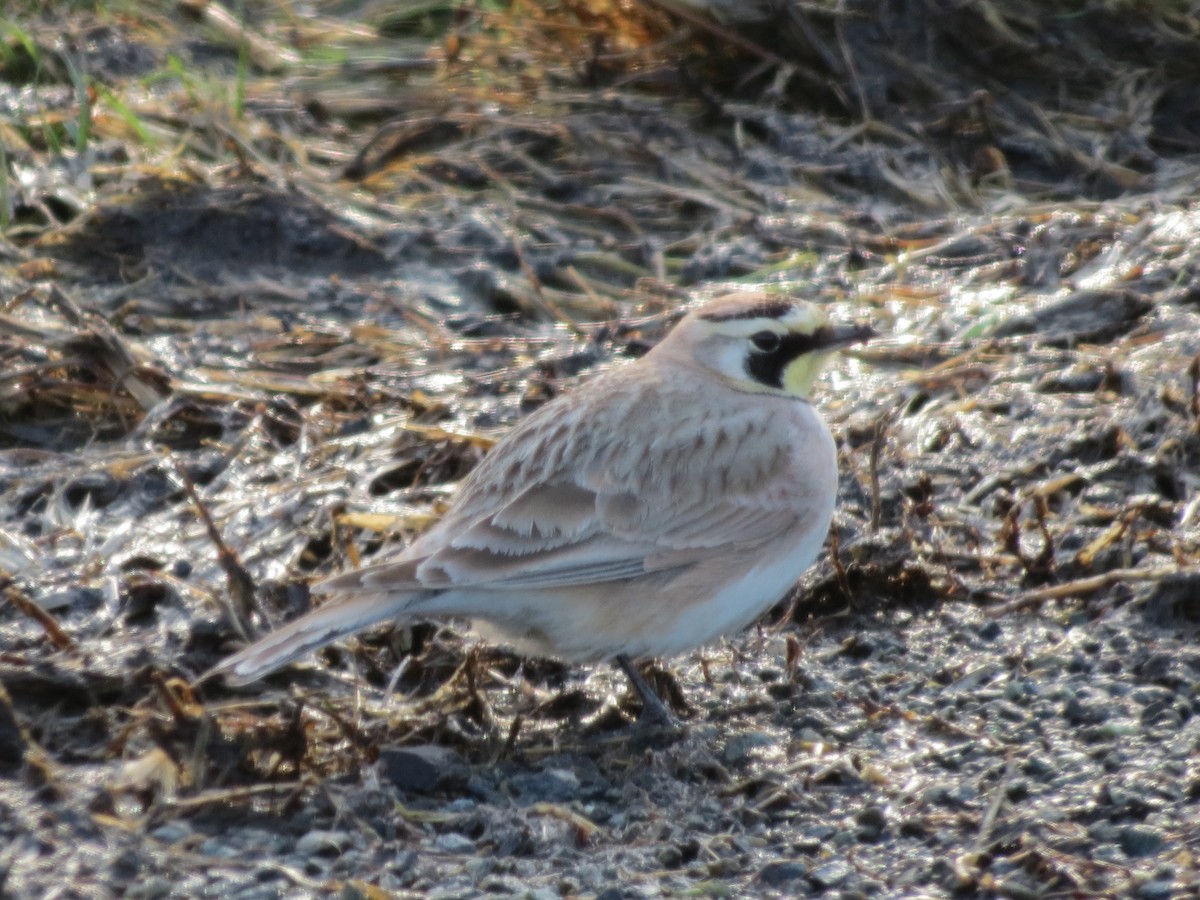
[(272, 287)]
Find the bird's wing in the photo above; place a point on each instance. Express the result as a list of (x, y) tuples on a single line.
[(613, 513)]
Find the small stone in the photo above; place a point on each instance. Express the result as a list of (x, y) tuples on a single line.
[(1018, 889), (829, 875), (1103, 831), (1039, 767), (740, 747), (1156, 890), (871, 823), (776, 874), (153, 888), (1017, 789), (548, 786), (254, 892), (669, 857), (1119, 728), (480, 868), (453, 842), (810, 841), (1108, 853), (424, 769), (990, 630), (1152, 693), (1140, 840), (1080, 712), (213, 847), (172, 832)]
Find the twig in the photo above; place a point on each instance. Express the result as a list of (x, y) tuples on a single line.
[(839, 571), (241, 584), (1194, 374), (267, 54), (145, 383), (17, 598), (999, 793), (1090, 585), (881, 425)]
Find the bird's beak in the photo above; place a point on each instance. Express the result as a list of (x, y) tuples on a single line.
[(834, 337)]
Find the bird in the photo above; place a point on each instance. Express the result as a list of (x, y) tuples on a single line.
[(663, 503)]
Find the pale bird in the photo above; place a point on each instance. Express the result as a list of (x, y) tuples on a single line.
[(662, 504)]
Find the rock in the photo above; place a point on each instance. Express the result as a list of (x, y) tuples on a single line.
[(871, 823), (453, 842), (990, 630), (1079, 711), (425, 769), (829, 875), (1140, 840), (1156, 890), (151, 888), (1018, 889), (777, 874), (172, 832), (740, 747), (669, 857), (548, 786)]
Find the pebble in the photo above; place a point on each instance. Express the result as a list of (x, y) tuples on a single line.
[(151, 888), (1079, 711), (172, 832), (453, 842), (740, 747), (871, 823), (1108, 853), (425, 769), (1018, 889), (776, 874), (830, 874), (669, 857), (547, 786), (213, 847), (269, 891), (1140, 840), (1156, 890)]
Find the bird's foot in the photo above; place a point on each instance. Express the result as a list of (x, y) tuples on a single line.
[(656, 725)]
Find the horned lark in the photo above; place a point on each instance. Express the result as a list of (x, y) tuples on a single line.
[(662, 504)]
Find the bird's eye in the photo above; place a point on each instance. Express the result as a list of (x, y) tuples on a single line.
[(766, 341)]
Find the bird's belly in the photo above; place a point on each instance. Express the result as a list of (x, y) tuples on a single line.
[(642, 620), (738, 602)]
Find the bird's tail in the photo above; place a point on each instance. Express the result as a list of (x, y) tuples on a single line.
[(324, 625)]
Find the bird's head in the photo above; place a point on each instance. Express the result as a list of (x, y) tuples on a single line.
[(762, 343)]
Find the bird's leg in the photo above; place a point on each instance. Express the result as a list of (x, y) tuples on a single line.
[(654, 711)]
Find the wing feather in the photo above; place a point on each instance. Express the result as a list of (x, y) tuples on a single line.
[(541, 516)]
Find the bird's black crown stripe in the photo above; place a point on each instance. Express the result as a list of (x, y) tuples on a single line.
[(768, 309), (767, 368)]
